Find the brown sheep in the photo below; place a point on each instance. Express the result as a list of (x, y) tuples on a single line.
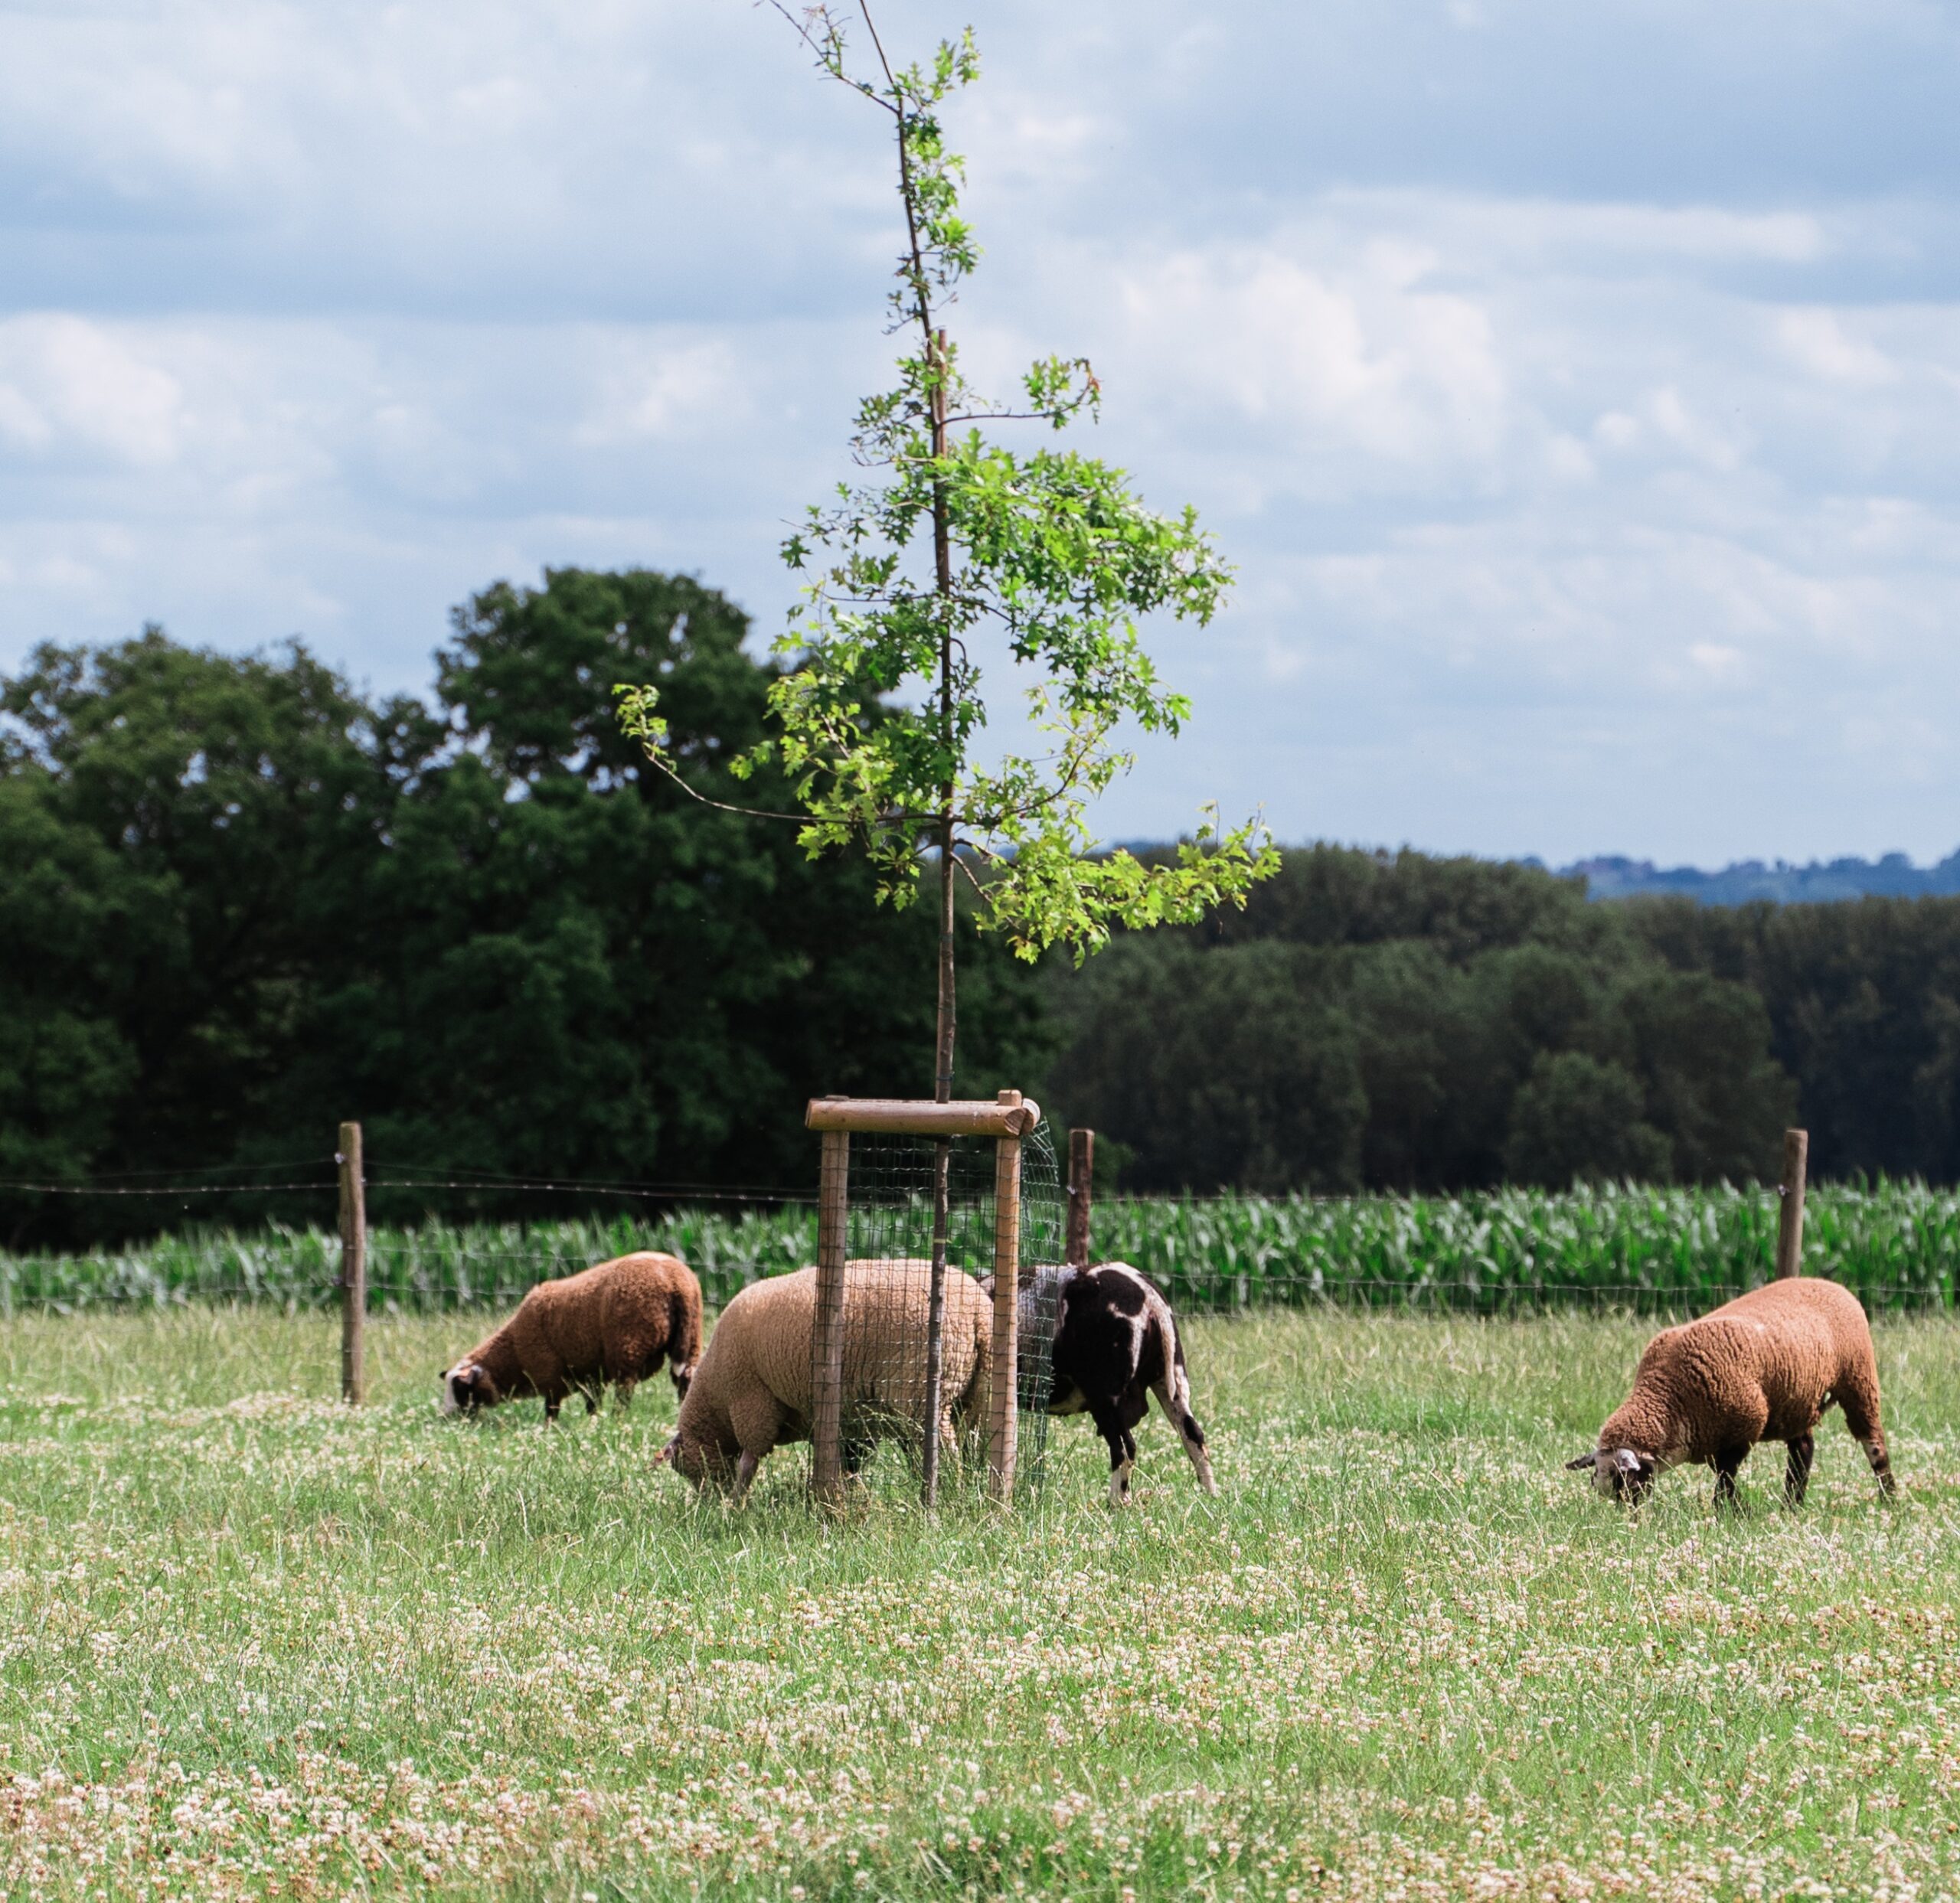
[(752, 1392), (1763, 1367), (613, 1323)]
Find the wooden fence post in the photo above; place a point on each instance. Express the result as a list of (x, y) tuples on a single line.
[(1004, 1370), (353, 1268), (936, 1327), (1082, 1191), (827, 1336), (1790, 1217)]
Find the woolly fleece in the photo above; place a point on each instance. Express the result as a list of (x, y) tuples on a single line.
[(1763, 1367), (614, 1323), (752, 1391)]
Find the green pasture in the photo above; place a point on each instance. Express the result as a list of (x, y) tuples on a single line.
[(1648, 1251), (254, 1644)]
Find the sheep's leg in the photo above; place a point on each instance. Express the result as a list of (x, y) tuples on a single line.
[(1122, 1449), (1174, 1395), (1796, 1474), (1858, 1398), (1115, 1420), (624, 1389), (1728, 1463), (554, 1399), (756, 1421)]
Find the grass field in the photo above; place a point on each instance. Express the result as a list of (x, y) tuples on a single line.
[(252, 1643)]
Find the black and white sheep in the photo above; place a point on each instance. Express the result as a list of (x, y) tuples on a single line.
[(1115, 1342)]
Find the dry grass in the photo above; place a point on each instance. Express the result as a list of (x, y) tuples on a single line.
[(251, 1645)]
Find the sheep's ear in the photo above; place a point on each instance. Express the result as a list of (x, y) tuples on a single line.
[(1584, 1461)]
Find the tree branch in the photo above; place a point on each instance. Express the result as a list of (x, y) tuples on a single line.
[(801, 29), (721, 805)]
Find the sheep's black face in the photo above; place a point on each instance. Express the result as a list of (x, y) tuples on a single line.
[(1618, 1473), (466, 1388)]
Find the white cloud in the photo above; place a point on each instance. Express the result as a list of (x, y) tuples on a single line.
[(1817, 341), (1588, 489), (70, 387), (1387, 367)]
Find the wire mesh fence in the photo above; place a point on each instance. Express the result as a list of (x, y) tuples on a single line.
[(912, 1279)]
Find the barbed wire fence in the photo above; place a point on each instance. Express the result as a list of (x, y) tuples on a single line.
[(266, 1234)]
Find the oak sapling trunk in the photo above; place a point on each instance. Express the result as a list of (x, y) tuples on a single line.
[(946, 1023)]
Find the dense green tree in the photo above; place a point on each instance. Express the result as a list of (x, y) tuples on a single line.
[(180, 832), (1862, 998), (621, 976), (241, 901), (1332, 895), (1577, 1119)]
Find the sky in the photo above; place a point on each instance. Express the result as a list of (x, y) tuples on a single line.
[(1576, 388)]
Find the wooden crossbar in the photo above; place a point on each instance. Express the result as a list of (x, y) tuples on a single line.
[(899, 1116)]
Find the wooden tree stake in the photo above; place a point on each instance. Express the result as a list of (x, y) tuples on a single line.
[(1081, 1188), (352, 1268), (827, 1336), (1790, 1217), (935, 1326), (1003, 1365)]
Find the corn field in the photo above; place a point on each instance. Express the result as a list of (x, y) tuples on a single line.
[(1650, 1251)]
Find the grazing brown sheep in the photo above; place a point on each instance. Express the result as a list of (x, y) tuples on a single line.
[(1763, 1367), (614, 1323), (752, 1392)]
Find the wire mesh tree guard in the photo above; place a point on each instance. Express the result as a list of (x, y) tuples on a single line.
[(901, 1350)]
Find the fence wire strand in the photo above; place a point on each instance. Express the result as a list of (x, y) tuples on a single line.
[(1670, 1253)]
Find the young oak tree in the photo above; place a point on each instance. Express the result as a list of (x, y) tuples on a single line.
[(879, 709), (879, 712)]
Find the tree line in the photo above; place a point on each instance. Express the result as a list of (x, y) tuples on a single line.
[(1395, 1021), (243, 899)]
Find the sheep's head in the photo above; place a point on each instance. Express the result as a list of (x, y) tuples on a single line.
[(1619, 1473), (466, 1387), (688, 1458)]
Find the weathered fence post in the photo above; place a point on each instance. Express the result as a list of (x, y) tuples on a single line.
[(1790, 1217), (1082, 1191), (935, 1326), (353, 1268), (827, 1337), (1004, 1370)]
